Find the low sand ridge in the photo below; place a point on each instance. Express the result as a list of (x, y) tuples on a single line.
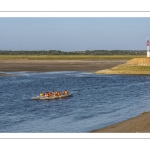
[(136, 66)]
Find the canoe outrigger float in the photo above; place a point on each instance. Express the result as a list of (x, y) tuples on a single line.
[(50, 97)]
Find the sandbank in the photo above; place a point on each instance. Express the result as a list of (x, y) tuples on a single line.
[(138, 124), (135, 66), (56, 65)]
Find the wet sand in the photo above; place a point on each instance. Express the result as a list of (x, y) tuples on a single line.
[(138, 124), (56, 65)]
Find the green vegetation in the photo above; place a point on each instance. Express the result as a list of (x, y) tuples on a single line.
[(76, 55), (127, 69), (87, 52), (70, 57)]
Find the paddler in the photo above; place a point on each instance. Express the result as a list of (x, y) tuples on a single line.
[(41, 94), (53, 93), (66, 92), (48, 94), (57, 93)]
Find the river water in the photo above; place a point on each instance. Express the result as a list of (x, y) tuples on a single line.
[(97, 101)]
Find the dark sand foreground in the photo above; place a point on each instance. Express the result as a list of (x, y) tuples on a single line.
[(139, 124)]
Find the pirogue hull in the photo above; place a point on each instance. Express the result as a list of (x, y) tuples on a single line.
[(50, 98)]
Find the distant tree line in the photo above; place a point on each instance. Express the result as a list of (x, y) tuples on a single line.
[(86, 52)]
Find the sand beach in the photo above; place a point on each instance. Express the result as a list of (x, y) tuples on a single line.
[(138, 124), (56, 65)]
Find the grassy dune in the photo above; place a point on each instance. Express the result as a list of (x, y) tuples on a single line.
[(139, 66), (69, 57)]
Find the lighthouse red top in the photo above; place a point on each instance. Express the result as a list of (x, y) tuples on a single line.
[(147, 43)]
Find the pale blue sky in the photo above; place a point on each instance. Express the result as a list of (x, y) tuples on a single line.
[(74, 34)]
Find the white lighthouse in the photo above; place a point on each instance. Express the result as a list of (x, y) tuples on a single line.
[(147, 44)]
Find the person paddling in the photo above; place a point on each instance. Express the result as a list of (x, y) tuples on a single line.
[(66, 92), (57, 93), (53, 93), (48, 94), (41, 94)]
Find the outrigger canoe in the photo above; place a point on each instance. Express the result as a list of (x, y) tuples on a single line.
[(50, 98)]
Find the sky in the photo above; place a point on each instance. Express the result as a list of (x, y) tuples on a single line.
[(74, 33)]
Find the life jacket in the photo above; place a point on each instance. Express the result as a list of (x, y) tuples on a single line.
[(66, 93), (56, 93), (48, 94), (41, 94)]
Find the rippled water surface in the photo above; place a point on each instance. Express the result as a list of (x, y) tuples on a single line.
[(97, 101)]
